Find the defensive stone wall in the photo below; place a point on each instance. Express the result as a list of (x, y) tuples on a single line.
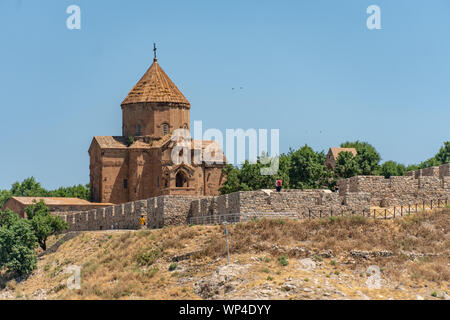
[(356, 195), (423, 184)]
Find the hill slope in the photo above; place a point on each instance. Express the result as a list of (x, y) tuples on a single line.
[(340, 258)]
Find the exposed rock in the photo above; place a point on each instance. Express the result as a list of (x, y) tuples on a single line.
[(370, 254), (326, 254), (307, 264), (223, 281)]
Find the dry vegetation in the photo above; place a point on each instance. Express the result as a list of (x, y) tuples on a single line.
[(149, 264)]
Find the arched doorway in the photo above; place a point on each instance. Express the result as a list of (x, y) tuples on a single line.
[(181, 180)]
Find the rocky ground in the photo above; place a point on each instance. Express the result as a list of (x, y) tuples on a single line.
[(322, 259)]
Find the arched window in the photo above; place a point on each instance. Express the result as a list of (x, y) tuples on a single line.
[(139, 129), (181, 180), (165, 127)]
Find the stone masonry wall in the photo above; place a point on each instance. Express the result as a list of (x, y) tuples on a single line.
[(423, 184), (356, 195)]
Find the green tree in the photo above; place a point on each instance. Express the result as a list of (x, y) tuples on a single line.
[(443, 156), (412, 167), (4, 196), (307, 169), (346, 165), (28, 188), (233, 181), (43, 223), (78, 191), (31, 188), (17, 244), (249, 176), (392, 168), (368, 158)]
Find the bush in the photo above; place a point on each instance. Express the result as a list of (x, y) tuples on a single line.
[(43, 223), (17, 244), (173, 266), (283, 260), (148, 258)]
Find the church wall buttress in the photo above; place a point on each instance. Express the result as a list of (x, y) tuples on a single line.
[(115, 182)]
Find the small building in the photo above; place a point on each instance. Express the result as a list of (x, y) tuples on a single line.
[(55, 204), (333, 153)]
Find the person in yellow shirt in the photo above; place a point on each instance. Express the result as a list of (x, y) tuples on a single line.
[(143, 221)]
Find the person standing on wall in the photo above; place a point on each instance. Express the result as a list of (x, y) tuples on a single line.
[(278, 184), (143, 221)]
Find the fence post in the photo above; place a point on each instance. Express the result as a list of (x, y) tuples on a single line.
[(320, 213), (409, 209), (309, 213), (401, 211), (374, 213), (385, 214), (394, 212)]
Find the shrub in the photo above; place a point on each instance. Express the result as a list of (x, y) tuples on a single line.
[(173, 266), (17, 244), (43, 223), (318, 257), (148, 258), (283, 260)]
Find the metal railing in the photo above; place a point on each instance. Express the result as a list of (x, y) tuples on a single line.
[(400, 211)]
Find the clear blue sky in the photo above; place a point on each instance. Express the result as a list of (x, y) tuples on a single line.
[(310, 68)]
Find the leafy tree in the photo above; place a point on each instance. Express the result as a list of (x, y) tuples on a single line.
[(43, 223), (429, 163), (346, 165), (78, 191), (307, 169), (28, 188), (31, 188), (368, 158), (412, 167), (17, 244), (392, 168), (443, 156), (4, 196), (233, 182), (249, 176)]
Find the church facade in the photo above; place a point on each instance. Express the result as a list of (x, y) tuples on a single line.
[(152, 158)]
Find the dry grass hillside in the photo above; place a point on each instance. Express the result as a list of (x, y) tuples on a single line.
[(337, 258)]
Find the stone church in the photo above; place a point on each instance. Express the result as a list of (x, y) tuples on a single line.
[(149, 160)]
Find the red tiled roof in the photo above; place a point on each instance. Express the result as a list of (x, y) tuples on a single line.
[(335, 151), (55, 201), (155, 86)]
